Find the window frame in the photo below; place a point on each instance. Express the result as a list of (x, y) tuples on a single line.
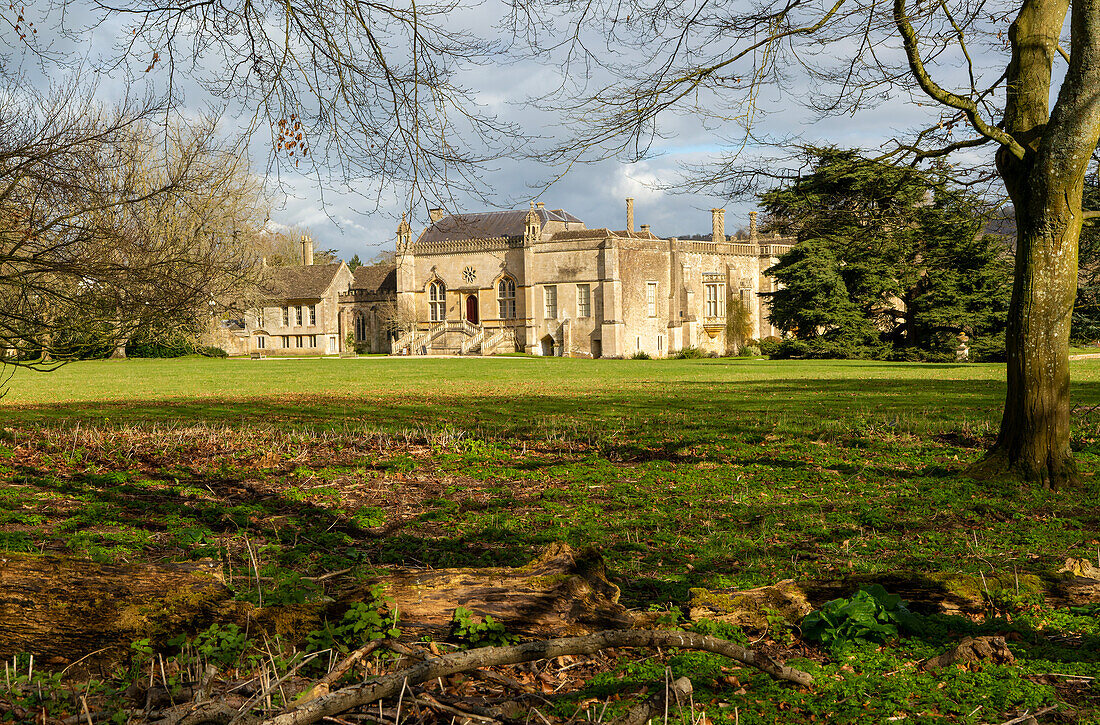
[(584, 300), (506, 298), (651, 299), (313, 314), (718, 308), (550, 301), (298, 315), (437, 301)]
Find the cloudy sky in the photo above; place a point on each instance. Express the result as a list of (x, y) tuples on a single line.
[(359, 217)]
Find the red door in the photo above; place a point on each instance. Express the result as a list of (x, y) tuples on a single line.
[(471, 310)]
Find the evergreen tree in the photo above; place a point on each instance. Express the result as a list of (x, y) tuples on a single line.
[(354, 263), (889, 263)]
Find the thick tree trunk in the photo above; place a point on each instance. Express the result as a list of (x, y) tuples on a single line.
[(1033, 443)]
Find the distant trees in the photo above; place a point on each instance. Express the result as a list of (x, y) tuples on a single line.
[(1086, 307), (110, 223), (890, 263)]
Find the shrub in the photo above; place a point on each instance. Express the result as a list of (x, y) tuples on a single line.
[(175, 346), (211, 351), (748, 351), (641, 355), (690, 353), (769, 346)]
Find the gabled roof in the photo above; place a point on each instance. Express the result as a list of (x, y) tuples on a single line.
[(309, 281), (489, 224), (381, 277)]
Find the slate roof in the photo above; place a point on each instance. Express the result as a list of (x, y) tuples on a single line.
[(300, 282), (375, 277), (599, 233), (489, 224)]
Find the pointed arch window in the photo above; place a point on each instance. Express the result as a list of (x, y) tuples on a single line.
[(506, 298), (360, 327), (437, 304)]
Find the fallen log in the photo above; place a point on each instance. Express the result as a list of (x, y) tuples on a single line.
[(563, 591), (61, 609), (393, 684), (1076, 583)]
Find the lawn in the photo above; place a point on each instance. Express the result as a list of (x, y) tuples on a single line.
[(683, 473)]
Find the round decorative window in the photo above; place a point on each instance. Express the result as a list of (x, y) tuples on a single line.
[(469, 274)]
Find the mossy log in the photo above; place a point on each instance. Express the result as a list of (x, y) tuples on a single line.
[(1077, 583), (61, 609), (562, 592)]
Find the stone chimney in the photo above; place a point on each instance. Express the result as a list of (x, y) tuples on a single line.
[(717, 225), (752, 227), (540, 205), (435, 215), (630, 215), (645, 229), (307, 251)]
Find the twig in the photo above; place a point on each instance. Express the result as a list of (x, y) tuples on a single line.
[(325, 577), (1025, 717), (243, 709), (1059, 674), (429, 701)]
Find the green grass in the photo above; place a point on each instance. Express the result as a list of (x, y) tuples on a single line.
[(684, 473)]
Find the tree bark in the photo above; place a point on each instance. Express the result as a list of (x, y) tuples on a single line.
[(1033, 442)]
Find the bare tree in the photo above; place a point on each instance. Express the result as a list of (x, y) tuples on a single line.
[(988, 69), (366, 89), (107, 224)]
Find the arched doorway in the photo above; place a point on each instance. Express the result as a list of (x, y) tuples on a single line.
[(547, 346), (471, 310)]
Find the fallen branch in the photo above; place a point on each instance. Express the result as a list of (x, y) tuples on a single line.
[(305, 713), (389, 685), (1029, 716)]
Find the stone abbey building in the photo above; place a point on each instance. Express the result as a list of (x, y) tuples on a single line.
[(536, 281), (540, 281)]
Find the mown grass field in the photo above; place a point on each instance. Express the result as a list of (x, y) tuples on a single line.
[(684, 473)]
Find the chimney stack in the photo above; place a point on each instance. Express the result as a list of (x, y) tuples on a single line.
[(540, 205), (435, 215), (645, 229), (630, 215), (307, 251), (718, 225), (752, 227)]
